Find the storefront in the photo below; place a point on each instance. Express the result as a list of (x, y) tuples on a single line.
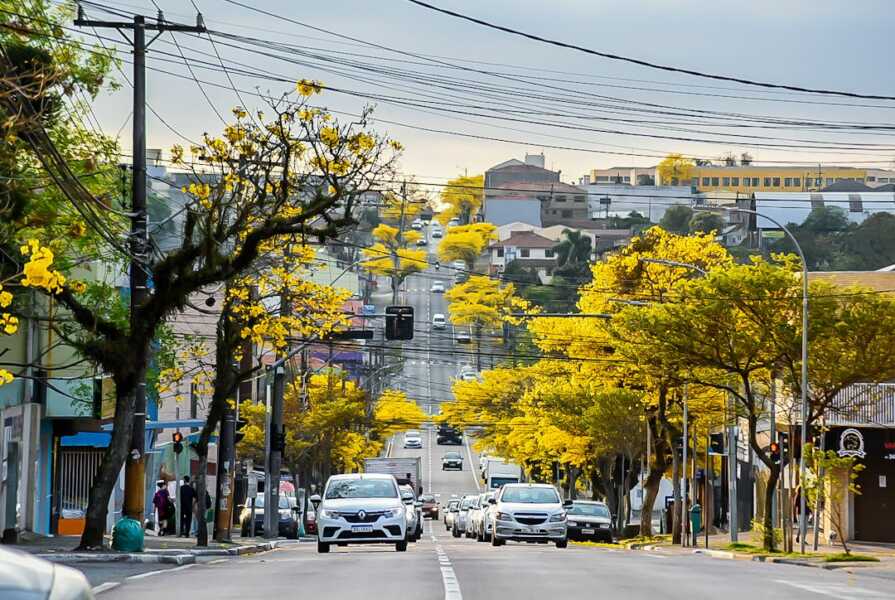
[(871, 513)]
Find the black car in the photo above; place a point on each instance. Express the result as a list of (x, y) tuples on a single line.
[(288, 518), (589, 521), (452, 460), (449, 436)]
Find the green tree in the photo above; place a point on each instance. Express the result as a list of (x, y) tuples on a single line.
[(573, 256), (706, 222), (677, 219)]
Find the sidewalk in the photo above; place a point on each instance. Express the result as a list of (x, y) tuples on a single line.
[(166, 549), (877, 556)]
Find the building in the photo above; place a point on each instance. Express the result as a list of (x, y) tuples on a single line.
[(651, 201), (509, 192), (529, 248), (622, 175)]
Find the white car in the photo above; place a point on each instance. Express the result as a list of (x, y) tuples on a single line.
[(529, 512), (460, 520), (413, 439), (414, 513), (439, 321), (25, 576), (437, 287), (360, 508), (462, 336), (469, 376), (453, 507), (479, 526), (436, 232), (417, 224), (453, 222)]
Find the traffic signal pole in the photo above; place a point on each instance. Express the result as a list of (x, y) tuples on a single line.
[(134, 474)]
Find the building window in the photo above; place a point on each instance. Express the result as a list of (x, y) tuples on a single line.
[(829, 181), (871, 179), (787, 181), (725, 181), (797, 181), (884, 180), (628, 179), (854, 203), (735, 181), (859, 179), (776, 182), (548, 252), (500, 252), (560, 198), (755, 182), (524, 252), (746, 181), (567, 214), (579, 198), (767, 182), (705, 181), (602, 178), (715, 181)]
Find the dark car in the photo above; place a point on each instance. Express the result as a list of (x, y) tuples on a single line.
[(589, 521), (430, 506), (288, 517), (448, 435), (452, 460)]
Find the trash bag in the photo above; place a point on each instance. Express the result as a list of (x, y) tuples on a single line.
[(127, 536)]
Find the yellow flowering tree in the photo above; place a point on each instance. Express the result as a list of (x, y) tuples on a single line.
[(466, 243), (463, 198), (391, 255)]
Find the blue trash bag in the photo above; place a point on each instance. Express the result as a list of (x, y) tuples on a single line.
[(127, 536)]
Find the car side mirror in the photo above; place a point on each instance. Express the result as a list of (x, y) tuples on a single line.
[(315, 500), (418, 504), (567, 503), (492, 500)]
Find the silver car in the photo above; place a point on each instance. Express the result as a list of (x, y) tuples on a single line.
[(461, 521), (27, 577), (361, 508), (529, 512), (480, 520), (450, 513)]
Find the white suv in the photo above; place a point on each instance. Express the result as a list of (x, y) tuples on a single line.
[(528, 512), (360, 509)]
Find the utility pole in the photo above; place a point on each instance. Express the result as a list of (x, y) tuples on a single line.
[(226, 467), (686, 442), (396, 259), (732, 468), (134, 474)]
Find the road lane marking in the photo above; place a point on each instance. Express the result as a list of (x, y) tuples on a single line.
[(844, 592), (219, 561), (105, 587), (472, 468), (448, 577), (148, 574)]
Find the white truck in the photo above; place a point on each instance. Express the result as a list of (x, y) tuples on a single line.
[(406, 470), (497, 472)]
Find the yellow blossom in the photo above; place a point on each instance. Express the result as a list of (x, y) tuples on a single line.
[(5, 377), (308, 88)]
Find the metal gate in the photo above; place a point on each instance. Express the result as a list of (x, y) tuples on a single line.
[(76, 469)]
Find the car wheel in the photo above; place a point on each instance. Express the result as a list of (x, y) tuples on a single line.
[(401, 546), (562, 543), (455, 532), (244, 530), (435, 518), (496, 541), (322, 547)]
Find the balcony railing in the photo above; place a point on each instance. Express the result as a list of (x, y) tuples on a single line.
[(864, 404)]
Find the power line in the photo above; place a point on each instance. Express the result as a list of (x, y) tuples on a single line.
[(644, 63)]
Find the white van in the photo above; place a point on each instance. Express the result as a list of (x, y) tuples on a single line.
[(439, 321)]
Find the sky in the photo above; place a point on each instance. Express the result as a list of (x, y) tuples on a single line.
[(813, 43)]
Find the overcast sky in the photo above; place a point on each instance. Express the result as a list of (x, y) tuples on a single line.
[(813, 43)]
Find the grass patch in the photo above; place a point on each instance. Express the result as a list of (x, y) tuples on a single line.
[(843, 557), (758, 550)]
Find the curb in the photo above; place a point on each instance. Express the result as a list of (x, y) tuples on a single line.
[(722, 554), (74, 558)]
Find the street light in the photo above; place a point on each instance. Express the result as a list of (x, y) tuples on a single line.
[(803, 526)]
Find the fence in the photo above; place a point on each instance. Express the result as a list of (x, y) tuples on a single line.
[(870, 404)]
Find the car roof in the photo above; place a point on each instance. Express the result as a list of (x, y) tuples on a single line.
[(529, 485), (594, 502), (363, 476)]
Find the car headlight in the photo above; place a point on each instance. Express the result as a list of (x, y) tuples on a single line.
[(325, 514), (572, 524), (392, 512), (502, 516), (558, 517)]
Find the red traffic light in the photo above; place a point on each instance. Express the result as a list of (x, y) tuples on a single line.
[(775, 448)]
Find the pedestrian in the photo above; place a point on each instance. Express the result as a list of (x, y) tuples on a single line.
[(187, 499), (162, 503)]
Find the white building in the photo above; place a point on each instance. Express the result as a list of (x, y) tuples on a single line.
[(529, 248)]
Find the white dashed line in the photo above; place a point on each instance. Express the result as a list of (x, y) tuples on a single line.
[(147, 574), (105, 587), (219, 561), (448, 577)]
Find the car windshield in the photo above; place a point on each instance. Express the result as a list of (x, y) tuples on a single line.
[(589, 510), (452, 455), (453, 504), (530, 495), (412, 434), (283, 501), (466, 503), (427, 498), (361, 488)]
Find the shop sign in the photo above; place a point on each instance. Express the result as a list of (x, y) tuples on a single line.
[(851, 443)]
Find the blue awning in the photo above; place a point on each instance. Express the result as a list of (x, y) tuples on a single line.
[(94, 439)]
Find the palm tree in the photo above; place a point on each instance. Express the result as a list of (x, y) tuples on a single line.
[(573, 251)]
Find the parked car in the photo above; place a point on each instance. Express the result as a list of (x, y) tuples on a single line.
[(473, 515), (450, 513), (439, 321), (361, 508), (430, 506), (311, 521), (414, 510), (478, 518), (437, 287), (460, 521), (413, 439), (452, 461), (529, 512), (484, 529), (589, 521), (288, 519), (23, 576)]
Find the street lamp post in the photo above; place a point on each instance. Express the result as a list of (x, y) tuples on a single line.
[(803, 525)]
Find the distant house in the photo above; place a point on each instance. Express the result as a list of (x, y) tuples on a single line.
[(512, 189), (529, 248)]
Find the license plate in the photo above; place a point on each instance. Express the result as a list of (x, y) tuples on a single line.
[(362, 528), (587, 531)]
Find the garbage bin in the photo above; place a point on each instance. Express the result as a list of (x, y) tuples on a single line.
[(695, 520)]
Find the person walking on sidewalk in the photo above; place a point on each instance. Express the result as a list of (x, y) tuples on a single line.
[(163, 506), (187, 501)]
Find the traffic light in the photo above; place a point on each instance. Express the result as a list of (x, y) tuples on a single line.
[(238, 433), (278, 441), (399, 322), (774, 450), (716, 443), (178, 442), (785, 447)]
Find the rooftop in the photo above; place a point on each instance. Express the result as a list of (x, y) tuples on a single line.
[(881, 281), (524, 239)]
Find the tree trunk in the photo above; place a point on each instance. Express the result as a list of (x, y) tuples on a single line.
[(650, 492), (768, 542), (110, 467)]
